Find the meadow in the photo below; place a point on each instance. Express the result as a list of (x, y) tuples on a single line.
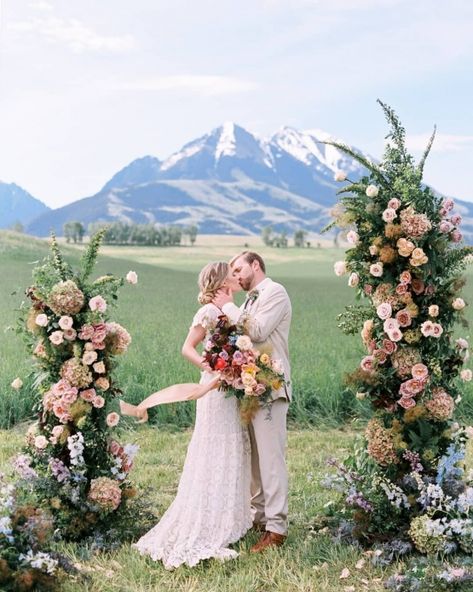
[(308, 562), (325, 417), (159, 310)]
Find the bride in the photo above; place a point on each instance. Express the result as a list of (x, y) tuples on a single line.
[(212, 506)]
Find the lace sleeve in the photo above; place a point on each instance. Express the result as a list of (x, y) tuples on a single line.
[(205, 316)]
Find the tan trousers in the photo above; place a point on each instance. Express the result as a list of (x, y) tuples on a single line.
[(269, 481)]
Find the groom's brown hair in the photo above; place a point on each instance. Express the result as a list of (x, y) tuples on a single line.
[(250, 256)]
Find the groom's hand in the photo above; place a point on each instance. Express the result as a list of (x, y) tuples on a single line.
[(222, 297)]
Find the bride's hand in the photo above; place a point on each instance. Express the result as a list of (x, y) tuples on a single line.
[(204, 366), (222, 297)]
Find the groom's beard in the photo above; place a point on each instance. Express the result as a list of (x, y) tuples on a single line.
[(245, 283)]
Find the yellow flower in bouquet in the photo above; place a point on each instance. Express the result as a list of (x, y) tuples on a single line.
[(265, 359), (249, 369)]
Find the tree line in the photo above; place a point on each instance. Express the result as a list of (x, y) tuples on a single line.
[(280, 240), (121, 233)]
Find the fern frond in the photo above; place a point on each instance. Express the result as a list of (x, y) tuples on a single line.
[(358, 157), (58, 261), (398, 133), (420, 166), (90, 256), (328, 227)]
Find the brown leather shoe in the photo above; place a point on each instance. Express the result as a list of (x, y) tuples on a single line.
[(269, 539)]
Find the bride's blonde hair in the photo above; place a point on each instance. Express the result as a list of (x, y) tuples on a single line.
[(211, 278)]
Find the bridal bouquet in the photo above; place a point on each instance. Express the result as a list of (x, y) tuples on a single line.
[(246, 373)]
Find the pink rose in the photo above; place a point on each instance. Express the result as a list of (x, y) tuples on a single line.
[(40, 442), (56, 337), (466, 375), (433, 310), (368, 289), (462, 343), (376, 269), (65, 322), (427, 328), (260, 389), (102, 383), (97, 303), (99, 368), (132, 277), (394, 203), (69, 397), (404, 318), (437, 330), (340, 268), (390, 325), (405, 277), (456, 219), (457, 236), (88, 395), (42, 320), (114, 447), (86, 332), (445, 226), (389, 346), (458, 304), (384, 311), (70, 334), (353, 280), (419, 371), (112, 419), (395, 335), (448, 204), (89, 357), (406, 402), (353, 237), (401, 289), (98, 402), (368, 363), (100, 332), (389, 215)]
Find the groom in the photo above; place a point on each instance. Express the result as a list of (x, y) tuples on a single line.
[(268, 310)]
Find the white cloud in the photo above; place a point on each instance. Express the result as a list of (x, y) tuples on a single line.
[(73, 33), (41, 5), (206, 85), (442, 142)]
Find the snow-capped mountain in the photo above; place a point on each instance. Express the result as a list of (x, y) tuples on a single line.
[(18, 206), (228, 181)]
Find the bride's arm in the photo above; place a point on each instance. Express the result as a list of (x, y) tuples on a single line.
[(194, 337)]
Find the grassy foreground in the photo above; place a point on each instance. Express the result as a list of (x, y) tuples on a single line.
[(307, 563)]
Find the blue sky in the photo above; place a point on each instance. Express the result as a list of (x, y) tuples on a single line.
[(87, 86)]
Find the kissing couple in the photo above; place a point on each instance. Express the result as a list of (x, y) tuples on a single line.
[(234, 476)]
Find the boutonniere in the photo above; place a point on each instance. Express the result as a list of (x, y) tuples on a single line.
[(252, 296)]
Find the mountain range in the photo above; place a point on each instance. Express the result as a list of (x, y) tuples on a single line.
[(228, 181)]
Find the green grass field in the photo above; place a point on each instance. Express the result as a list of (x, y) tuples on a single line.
[(306, 563), (159, 310)]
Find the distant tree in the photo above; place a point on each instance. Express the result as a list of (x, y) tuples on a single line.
[(280, 240), (73, 231), (267, 235), (192, 232), (299, 238), (17, 227)]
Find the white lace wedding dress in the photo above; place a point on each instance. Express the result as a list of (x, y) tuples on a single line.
[(212, 506)]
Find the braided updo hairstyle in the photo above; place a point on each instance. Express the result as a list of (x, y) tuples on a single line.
[(211, 278)]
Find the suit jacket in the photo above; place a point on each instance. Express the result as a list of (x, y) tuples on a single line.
[(269, 321)]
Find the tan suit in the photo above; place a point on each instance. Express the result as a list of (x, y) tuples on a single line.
[(269, 320)]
